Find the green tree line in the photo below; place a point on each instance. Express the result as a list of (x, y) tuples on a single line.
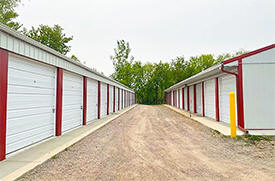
[(149, 80)]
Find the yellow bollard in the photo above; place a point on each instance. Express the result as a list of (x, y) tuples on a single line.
[(232, 111)]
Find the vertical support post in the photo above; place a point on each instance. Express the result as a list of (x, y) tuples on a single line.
[(114, 99), (232, 114), (217, 99), (108, 99), (3, 100), (202, 90), (182, 90), (59, 97), (195, 98), (118, 107), (99, 99), (240, 97), (188, 103), (84, 100)]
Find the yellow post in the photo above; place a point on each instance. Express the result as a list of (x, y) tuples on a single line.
[(232, 111)]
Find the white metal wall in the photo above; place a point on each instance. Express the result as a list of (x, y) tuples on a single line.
[(117, 99), (121, 98), (103, 102), (258, 90), (227, 84), (111, 104), (92, 99), (180, 91), (199, 98), (209, 99), (72, 101), (185, 98), (191, 98), (30, 103)]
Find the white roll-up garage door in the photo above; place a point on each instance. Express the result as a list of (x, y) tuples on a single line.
[(199, 98), (103, 103), (121, 98), (92, 99), (180, 101), (111, 105), (31, 102), (227, 84), (185, 98), (116, 99), (209, 96), (191, 98), (72, 101)]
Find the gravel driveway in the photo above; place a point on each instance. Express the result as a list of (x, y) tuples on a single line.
[(154, 143)]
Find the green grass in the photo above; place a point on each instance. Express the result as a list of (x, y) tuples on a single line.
[(251, 139)]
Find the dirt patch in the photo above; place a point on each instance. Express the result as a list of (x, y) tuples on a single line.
[(155, 143)]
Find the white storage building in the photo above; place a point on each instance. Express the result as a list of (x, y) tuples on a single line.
[(44, 94), (250, 76)]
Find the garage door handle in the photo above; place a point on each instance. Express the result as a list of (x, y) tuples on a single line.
[(81, 107)]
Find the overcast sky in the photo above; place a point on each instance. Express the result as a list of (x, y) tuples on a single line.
[(156, 29)]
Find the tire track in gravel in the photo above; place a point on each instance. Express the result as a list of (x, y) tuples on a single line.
[(154, 143)]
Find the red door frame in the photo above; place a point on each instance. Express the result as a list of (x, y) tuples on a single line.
[(202, 90), (59, 97), (182, 98), (4, 56), (108, 99), (188, 103), (217, 99), (114, 99), (84, 100), (98, 99), (195, 98)]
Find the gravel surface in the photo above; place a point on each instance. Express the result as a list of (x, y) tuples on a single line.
[(156, 143)]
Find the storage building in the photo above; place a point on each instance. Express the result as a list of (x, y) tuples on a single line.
[(45, 94), (250, 76)]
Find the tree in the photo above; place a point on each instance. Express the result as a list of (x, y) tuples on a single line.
[(150, 80), (75, 58), (52, 37), (7, 13), (122, 62)]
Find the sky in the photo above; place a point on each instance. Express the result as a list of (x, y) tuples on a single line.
[(156, 29)]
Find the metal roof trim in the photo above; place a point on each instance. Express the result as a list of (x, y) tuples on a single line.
[(205, 73), (39, 45)]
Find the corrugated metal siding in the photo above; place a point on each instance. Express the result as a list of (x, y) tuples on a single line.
[(227, 84), (117, 99), (103, 103), (72, 101), (111, 105), (209, 93), (185, 98), (199, 98), (191, 98), (92, 100), (258, 88), (31, 101), (34, 50)]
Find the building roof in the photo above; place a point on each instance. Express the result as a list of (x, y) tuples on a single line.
[(17, 43), (216, 69)]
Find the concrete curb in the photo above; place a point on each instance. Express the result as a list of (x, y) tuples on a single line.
[(223, 128), (16, 173)]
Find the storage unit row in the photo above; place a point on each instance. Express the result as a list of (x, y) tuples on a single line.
[(44, 94), (250, 76)]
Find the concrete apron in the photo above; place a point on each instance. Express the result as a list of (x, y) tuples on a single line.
[(23, 161), (223, 128)]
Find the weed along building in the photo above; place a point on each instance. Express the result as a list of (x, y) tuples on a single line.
[(45, 94), (250, 76)]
